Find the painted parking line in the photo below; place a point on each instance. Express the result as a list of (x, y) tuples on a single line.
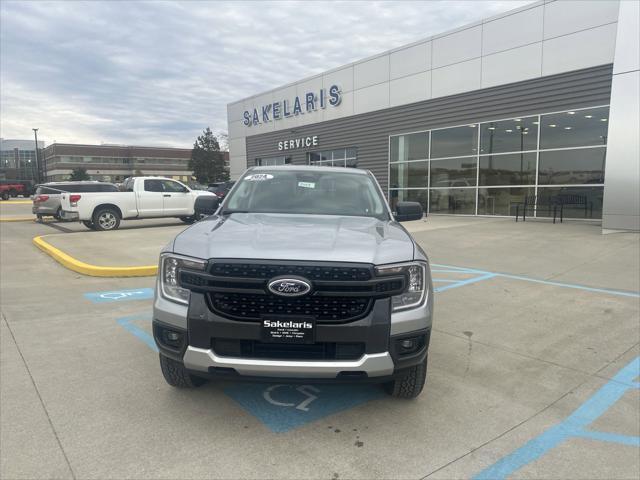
[(283, 407), (574, 426), (120, 295), (465, 270)]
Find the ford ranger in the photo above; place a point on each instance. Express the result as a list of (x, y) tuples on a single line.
[(303, 274), (143, 197)]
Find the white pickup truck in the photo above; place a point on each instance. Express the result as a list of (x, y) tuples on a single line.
[(143, 197)]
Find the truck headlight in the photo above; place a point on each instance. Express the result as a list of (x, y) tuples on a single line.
[(416, 288), (170, 266)]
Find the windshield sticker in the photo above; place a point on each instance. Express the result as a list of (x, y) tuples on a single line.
[(259, 177), (307, 184)]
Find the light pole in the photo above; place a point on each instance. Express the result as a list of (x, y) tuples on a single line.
[(35, 132)]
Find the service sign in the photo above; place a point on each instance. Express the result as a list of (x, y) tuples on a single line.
[(302, 142), (301, 104)]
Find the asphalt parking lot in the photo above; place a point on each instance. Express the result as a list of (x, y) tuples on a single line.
[(533, 369)]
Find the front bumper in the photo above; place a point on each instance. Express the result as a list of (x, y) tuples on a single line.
[(369, 365), (380, 332)]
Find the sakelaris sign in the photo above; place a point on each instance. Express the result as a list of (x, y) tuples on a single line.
[(311, 102)]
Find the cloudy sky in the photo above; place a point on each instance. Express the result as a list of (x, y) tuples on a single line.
[(157, 73)]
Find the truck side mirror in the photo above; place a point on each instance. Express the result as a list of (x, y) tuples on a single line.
[(205, 205), (407, 211)]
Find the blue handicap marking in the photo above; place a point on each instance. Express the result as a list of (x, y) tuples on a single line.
[(131, 325), (120, 295), (283, 407)]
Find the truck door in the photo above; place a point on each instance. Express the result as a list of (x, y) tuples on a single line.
[(177, 199), (150, 199)]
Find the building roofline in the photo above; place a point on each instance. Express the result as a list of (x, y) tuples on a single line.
[(113, 146)]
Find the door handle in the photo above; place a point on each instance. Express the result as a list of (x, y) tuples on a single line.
[(166, 195)]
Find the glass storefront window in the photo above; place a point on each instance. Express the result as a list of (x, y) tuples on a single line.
[(455, 172), (454, 200), (341, 157), (510, 169), (454, 142), (421, 196), (272, 161), (501, 201), (547, 153), (574, 128), (411, 174), (567, 167), (414, 146), (515, 135), (580, 202)]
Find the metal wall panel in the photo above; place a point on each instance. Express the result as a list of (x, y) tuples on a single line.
[(370, 132), (621, 209)]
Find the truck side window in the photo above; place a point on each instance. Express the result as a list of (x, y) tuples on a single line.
[(152, 186), (174, 187)]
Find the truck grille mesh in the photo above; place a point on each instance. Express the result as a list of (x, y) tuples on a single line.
[(324, 308), (312, 272)]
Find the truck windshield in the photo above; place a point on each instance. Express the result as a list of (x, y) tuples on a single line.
[(306, 192)]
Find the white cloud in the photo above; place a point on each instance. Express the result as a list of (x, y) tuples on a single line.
[(158, 73)]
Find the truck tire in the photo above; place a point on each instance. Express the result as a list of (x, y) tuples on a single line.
[(13, 193), (410, 384), (89, 224), (177, 376), (188, 220), (5, 195), (106, 218)]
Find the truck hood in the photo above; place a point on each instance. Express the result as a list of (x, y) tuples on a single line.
[(296, 237)]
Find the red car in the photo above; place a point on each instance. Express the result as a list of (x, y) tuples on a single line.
[(9, 189)]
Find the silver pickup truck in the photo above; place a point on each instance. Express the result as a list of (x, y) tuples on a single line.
[(302, 274)]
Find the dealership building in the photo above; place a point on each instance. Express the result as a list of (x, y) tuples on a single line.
[(114, 163), (541, 100)]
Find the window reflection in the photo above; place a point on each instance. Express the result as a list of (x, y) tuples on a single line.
[(563, 149), (272, 161), (574, 128), (340, 157), (419, 196), (454, 142), (456, 172), (565, 167), (414, 146), (461, 201), (580, 202), (516, 169), (412, 174), (513, 135), (501, 201)]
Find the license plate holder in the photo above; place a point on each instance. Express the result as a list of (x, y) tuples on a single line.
[(301, 330)]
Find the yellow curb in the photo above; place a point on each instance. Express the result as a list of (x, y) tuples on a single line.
[(17, 219), (92, 270), (16, 202)]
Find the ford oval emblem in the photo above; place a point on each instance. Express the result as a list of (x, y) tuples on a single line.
[(289, 287)]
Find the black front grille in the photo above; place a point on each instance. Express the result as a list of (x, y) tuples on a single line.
[(312, 272), (284, 351), (340, 292), (254, 306)]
